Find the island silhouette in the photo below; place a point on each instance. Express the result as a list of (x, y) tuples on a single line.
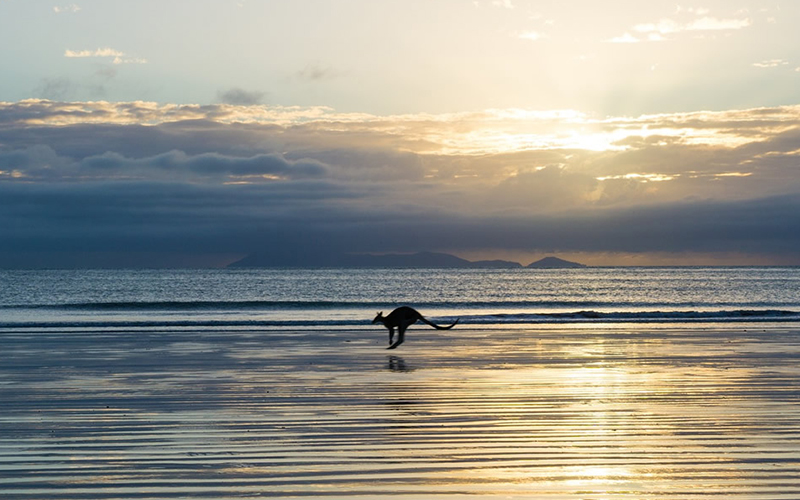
[(554, 263), (435, 260)]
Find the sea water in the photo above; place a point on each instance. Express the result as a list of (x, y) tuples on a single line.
[(593, 384), (331, 298)]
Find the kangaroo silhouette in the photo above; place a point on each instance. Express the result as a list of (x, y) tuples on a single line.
[(401, 318)]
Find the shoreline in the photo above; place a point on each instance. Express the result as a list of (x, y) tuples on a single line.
[(554, 411)]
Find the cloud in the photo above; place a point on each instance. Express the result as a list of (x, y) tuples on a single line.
[(625, 38), (317, 73), (241, 97), (42, 164), (771, 63), (503, 3), (668, 26), (659, 31), (714, 24), (105, 52), (700, 11), (474, 133), (175, 217), (60, 9), (117, 57), (531, 35), (146, 177)]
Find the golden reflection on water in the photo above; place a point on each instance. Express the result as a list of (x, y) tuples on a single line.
[(557, 426), (594, 413), (618, 418)]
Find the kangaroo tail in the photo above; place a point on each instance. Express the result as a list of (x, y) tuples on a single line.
[(439, 327)]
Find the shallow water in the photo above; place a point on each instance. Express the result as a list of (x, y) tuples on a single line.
[(601, 411)]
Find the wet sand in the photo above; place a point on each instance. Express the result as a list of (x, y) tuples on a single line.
[(585, 411)]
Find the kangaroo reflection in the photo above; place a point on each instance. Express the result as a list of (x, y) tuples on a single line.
[(397, 364)]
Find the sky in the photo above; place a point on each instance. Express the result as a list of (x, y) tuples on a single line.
[(193, 133)]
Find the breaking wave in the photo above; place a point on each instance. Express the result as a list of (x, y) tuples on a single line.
[(582, 316)]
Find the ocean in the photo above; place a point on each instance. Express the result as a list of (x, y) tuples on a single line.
[(329, 298), (591, 384)]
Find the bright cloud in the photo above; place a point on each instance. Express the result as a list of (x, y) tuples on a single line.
[(668, 26), (66, 8), (664, 26), (656, 31), (497, 131), (503, 3), (626, 38), (700, 11), (640, 177), (104, 52), (531, 35), (771, 63), (714, 24), (118, 57)]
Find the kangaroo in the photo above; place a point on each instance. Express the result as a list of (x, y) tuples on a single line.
[(401, 318)]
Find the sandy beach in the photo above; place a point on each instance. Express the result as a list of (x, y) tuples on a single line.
[(565, 411)]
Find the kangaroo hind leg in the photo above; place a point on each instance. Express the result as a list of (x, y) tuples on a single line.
[(401, 334)]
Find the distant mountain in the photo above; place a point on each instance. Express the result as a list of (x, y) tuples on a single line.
[(495, 264), (554, 263), (421, 259), (418, 260)]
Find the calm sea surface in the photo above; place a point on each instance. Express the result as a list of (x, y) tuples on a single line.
[(346, 297), (594, 384)]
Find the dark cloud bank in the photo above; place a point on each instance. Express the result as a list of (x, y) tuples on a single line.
[(192, 192)]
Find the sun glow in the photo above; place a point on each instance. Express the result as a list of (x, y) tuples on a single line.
[(493, 131), (640, 177)]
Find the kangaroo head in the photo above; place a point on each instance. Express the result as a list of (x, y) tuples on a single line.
[(378, 318)]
